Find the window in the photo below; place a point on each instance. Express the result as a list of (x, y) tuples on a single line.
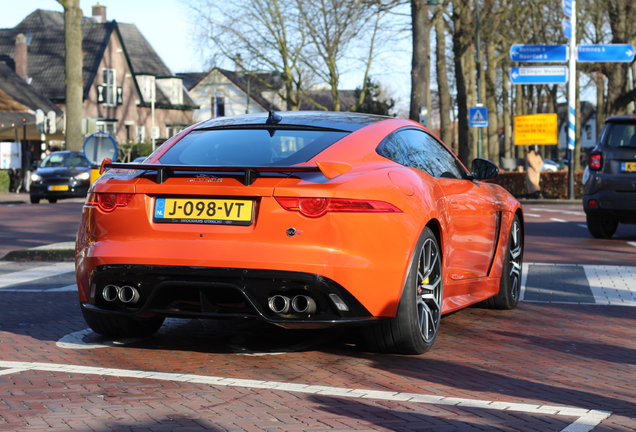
[(109, 88), (141, 134), (218, 104), (395, 149), (106, 126), (417, 149), (172, 130), (621, 135), (430, 155), (249, 147)]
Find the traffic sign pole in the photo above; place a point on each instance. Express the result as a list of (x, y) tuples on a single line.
[(572, 102)]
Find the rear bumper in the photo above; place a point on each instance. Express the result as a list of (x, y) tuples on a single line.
[(612, 205), (201, 292), (74, 191)]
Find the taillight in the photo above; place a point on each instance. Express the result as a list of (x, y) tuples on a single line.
[(108, 202), (316, 207), (596, 161)]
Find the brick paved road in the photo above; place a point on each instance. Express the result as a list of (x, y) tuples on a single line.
[(542, 367)]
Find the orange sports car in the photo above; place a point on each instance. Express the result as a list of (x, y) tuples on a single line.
[(303, 220)]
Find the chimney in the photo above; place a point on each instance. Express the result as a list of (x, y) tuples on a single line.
[(21, 56), (99, 13), (238, 63)]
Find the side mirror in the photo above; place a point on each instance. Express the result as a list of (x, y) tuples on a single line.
[(34, 166), (484, 170)]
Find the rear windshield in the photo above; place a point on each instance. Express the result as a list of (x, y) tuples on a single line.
[(620, 135), (249, 147)]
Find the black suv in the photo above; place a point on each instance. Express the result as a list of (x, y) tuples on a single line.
[(609, 181)]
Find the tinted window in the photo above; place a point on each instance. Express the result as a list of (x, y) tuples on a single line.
[(430, 155), (621, 135), (396, 150), (249, 147)]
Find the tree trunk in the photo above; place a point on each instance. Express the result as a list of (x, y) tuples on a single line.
[(74, 82), (619, 12), (420, 63), (445, 125), (507, 113), (492, 136), (463, 50), (599, 79)]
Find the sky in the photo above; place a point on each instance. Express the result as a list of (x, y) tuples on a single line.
[(166, 25)]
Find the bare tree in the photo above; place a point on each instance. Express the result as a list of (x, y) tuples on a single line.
[(303, 41), (74, 83), (264, 32), (331, 26)]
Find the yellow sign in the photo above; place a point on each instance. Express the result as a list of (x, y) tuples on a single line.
[(539, 129)]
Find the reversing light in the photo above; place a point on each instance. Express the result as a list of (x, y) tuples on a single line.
[(316, 207), (596, 161), (108, 202)]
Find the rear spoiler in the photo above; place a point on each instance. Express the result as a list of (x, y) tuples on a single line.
[(164, 172)]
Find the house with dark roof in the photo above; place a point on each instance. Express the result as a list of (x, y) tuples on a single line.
[(222, 92), (128, 90)]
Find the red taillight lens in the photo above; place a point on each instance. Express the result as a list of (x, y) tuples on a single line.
[(108, 202), (316, 207), (593, 203), (596, 161)]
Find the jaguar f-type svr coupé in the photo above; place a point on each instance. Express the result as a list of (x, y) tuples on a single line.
[(303, 220)]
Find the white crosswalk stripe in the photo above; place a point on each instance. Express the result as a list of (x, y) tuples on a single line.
[(610, 285), (36, 273)]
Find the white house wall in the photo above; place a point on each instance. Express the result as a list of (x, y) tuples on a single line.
[(235, 98), (587, 137)]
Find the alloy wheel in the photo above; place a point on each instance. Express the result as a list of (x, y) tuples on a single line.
[(516, 253), (429, 290)]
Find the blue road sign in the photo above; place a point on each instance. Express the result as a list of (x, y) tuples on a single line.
[(478, 116), (539, 53), (567, 8), (605, 53), (567, 29), (539, 75)]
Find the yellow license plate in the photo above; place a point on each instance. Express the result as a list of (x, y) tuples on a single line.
[(628, 166), (58, 188), (204, 211)]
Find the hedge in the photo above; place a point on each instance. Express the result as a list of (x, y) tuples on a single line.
[(554, 184), (4, 181)]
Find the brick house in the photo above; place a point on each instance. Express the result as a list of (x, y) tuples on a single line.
[(120, 71)]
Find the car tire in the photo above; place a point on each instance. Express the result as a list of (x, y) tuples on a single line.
[(599, 227), (35, 200), (510, 282), (121, 326), (414, 328), (52, 200)]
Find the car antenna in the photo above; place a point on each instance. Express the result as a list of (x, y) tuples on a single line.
[(273, 118)]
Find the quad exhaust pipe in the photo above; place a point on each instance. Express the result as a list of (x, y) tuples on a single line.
[(126, 294), (283, 305)]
